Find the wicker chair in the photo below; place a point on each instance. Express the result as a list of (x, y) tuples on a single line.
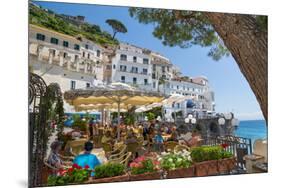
[(118, 152), (97, 141), (123, 159), (181, 148), (170, 145)]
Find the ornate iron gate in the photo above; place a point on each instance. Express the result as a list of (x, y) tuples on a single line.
[(37, 125), (41, 100)]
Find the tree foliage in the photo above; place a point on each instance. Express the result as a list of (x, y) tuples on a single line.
[(185, 28), (117, 26), (56, 22)]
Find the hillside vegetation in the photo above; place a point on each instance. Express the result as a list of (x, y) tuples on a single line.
[(53, 21)]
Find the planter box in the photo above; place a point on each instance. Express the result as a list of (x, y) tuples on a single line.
[(206, 168), (145, 176), (226, 165), (122, 178), (181, 173)]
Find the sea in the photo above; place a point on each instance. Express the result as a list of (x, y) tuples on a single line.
[(253, 129)]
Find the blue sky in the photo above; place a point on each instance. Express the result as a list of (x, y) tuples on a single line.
[(232, 92)]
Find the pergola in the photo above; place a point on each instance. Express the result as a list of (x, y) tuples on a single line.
[(116, 97)]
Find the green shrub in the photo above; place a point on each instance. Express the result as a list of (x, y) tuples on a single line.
[(174, 161), (206, 153), (109, 170), (79, 123)]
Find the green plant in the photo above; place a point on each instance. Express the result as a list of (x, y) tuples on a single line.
[(109, 170), (150, 116), (79, 123), (206, 153), (76, 174), (174, 161)]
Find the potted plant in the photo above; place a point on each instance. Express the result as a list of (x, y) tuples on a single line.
[(206, 160), (177, 165), (227, 161), (109, 172), (73, 175), (143, 168)]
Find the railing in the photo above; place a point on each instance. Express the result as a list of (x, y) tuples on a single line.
[(238, 146)]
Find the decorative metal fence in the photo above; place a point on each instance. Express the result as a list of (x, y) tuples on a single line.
[(238, 146)]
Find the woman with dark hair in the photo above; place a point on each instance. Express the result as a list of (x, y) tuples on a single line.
[(87, 158)]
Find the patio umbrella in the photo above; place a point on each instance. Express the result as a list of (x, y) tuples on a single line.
[(116, 95)]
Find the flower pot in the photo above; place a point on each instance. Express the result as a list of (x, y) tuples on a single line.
[(146, 176), (226, 165), (206, 168), (121, 178), (181, 173)]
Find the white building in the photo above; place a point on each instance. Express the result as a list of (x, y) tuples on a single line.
[(76, 63), (132, 65)]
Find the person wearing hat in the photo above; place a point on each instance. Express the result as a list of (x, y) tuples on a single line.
[(87, 158)]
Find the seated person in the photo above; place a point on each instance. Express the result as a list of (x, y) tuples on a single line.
[(87, 158), (158, 139), (194, 140), (54, 158), (106, 138), (131, 138), (174, 135)]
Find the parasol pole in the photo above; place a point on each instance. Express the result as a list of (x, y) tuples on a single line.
[(118, 118)]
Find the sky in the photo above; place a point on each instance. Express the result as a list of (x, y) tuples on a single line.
[(232, 92)]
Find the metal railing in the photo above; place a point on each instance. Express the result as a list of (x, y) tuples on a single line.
[(238, 146)]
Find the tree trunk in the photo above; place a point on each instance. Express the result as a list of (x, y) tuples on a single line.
[(248, 46)]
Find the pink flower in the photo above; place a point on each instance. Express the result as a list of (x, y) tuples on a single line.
[(140, 159)]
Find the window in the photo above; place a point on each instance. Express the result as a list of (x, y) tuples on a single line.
[(88, 55), (178, 105), (98, 53), (134, 80), (65, 44), (76, 57), (168, 69), (144, 71), (40, 36), (76, 47), (145, 61), (145, 82), (123, 79), (72, 84), (163, 68), (87, 46), (123, 57), (123, 68), (154, 85), (88, 85), (154, 67), (64, 55), (83, 54), (178, 87), (54, 41), (114, 66), (134, 59), (134, 70), (153, 76)]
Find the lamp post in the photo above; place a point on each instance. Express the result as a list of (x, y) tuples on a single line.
[(190, 120)]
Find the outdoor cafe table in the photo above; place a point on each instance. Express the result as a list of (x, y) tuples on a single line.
[(166, 136)]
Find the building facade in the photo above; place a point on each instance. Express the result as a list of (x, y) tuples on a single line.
[(78, 63)]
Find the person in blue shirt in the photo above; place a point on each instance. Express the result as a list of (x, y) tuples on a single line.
[(87, 158), (159, 141)]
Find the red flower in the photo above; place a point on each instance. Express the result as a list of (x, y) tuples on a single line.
[(70, 170), (79, 167), (87, 167), (75, 165), (140, 159), (224, 145), (156, 162)]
